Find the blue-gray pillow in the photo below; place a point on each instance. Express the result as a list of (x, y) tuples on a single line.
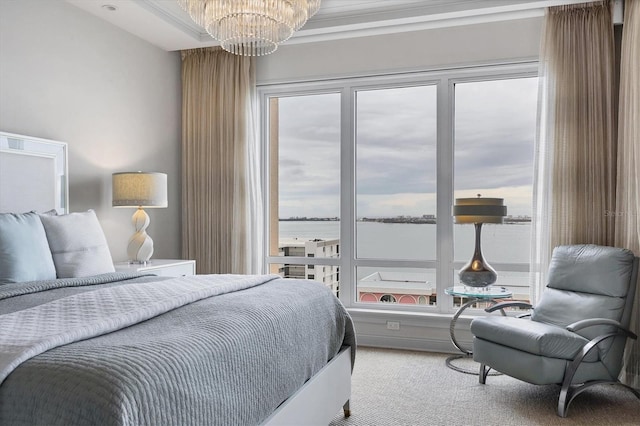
[(78, 245), (24, 250)]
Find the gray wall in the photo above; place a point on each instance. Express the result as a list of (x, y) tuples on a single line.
[(417, 50), (114, 98)]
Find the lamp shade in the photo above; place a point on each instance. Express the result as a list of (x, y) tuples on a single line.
[(139, 189), (479, 210)]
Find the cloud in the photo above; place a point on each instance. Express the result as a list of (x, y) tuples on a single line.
[(395, 148)]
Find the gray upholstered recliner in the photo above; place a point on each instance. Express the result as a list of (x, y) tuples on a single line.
[(576, 334)]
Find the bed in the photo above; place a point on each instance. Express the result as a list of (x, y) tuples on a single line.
[(131, 349)]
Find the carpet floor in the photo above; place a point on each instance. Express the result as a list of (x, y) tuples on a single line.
[(410, 388)]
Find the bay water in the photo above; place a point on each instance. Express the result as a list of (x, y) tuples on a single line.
[(501, 243), (505, 243)]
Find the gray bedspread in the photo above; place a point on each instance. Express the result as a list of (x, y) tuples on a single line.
[(198, 351)]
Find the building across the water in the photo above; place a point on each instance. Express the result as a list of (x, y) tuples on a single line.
[(329, 275)]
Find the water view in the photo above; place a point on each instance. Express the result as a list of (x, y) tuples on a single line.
[(505, 243)]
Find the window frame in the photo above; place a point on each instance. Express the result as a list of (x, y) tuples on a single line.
[(444, 79)]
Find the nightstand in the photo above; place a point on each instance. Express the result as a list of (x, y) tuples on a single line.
[(162, 267)]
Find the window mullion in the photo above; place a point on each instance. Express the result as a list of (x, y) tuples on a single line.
[(347, 196), (444, 224)]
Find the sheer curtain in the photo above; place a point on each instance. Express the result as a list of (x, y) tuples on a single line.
[(627, 212), (221, 198), (575, 165)]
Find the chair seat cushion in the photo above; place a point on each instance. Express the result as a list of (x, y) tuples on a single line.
[(530, 336)]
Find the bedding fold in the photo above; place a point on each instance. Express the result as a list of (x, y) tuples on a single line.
[(30, 287)]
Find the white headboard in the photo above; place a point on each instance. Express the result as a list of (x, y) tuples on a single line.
[(33, 174)]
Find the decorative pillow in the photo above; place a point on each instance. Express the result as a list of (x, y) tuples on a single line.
[(24, 251), (78, 244)]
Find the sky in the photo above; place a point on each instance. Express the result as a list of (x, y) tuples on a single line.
[(396, 149)]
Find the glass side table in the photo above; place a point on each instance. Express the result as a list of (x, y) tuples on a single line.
[(490, 294)]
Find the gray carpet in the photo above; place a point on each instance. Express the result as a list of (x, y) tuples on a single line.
[(393, 387)]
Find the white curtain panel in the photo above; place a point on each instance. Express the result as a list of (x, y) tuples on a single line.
[(627, 212), (221, 191), (543, 165)]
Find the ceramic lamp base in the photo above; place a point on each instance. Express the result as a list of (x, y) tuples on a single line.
[(140, 247)]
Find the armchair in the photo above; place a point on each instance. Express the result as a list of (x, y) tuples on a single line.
[(576, 334)]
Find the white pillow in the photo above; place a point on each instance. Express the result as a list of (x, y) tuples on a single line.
[(78, 245)]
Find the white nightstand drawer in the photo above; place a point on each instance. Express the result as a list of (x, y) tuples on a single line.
[(174, 270), (162, 267)]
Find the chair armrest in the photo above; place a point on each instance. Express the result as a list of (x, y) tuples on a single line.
[(579, 325), (508, 304)]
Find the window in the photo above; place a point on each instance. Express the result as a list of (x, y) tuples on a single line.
[(494, 134), (304, 177), (395, 173), (361, 174)]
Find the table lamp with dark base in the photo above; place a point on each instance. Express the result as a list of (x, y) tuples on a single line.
[(477, 272)]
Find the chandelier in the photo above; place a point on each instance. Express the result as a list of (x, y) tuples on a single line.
[(250, 27)]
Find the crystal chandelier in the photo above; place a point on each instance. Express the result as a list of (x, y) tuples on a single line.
[(250, 27)]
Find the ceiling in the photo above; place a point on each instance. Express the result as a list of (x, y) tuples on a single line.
[(164, 24)]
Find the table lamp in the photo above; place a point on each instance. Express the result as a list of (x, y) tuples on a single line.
[(139, 189), (477, 272)]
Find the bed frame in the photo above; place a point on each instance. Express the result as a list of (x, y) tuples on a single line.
[(33, 176), (318, 401)]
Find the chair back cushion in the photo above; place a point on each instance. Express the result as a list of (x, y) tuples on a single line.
[(586, 281), (591, 269)]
